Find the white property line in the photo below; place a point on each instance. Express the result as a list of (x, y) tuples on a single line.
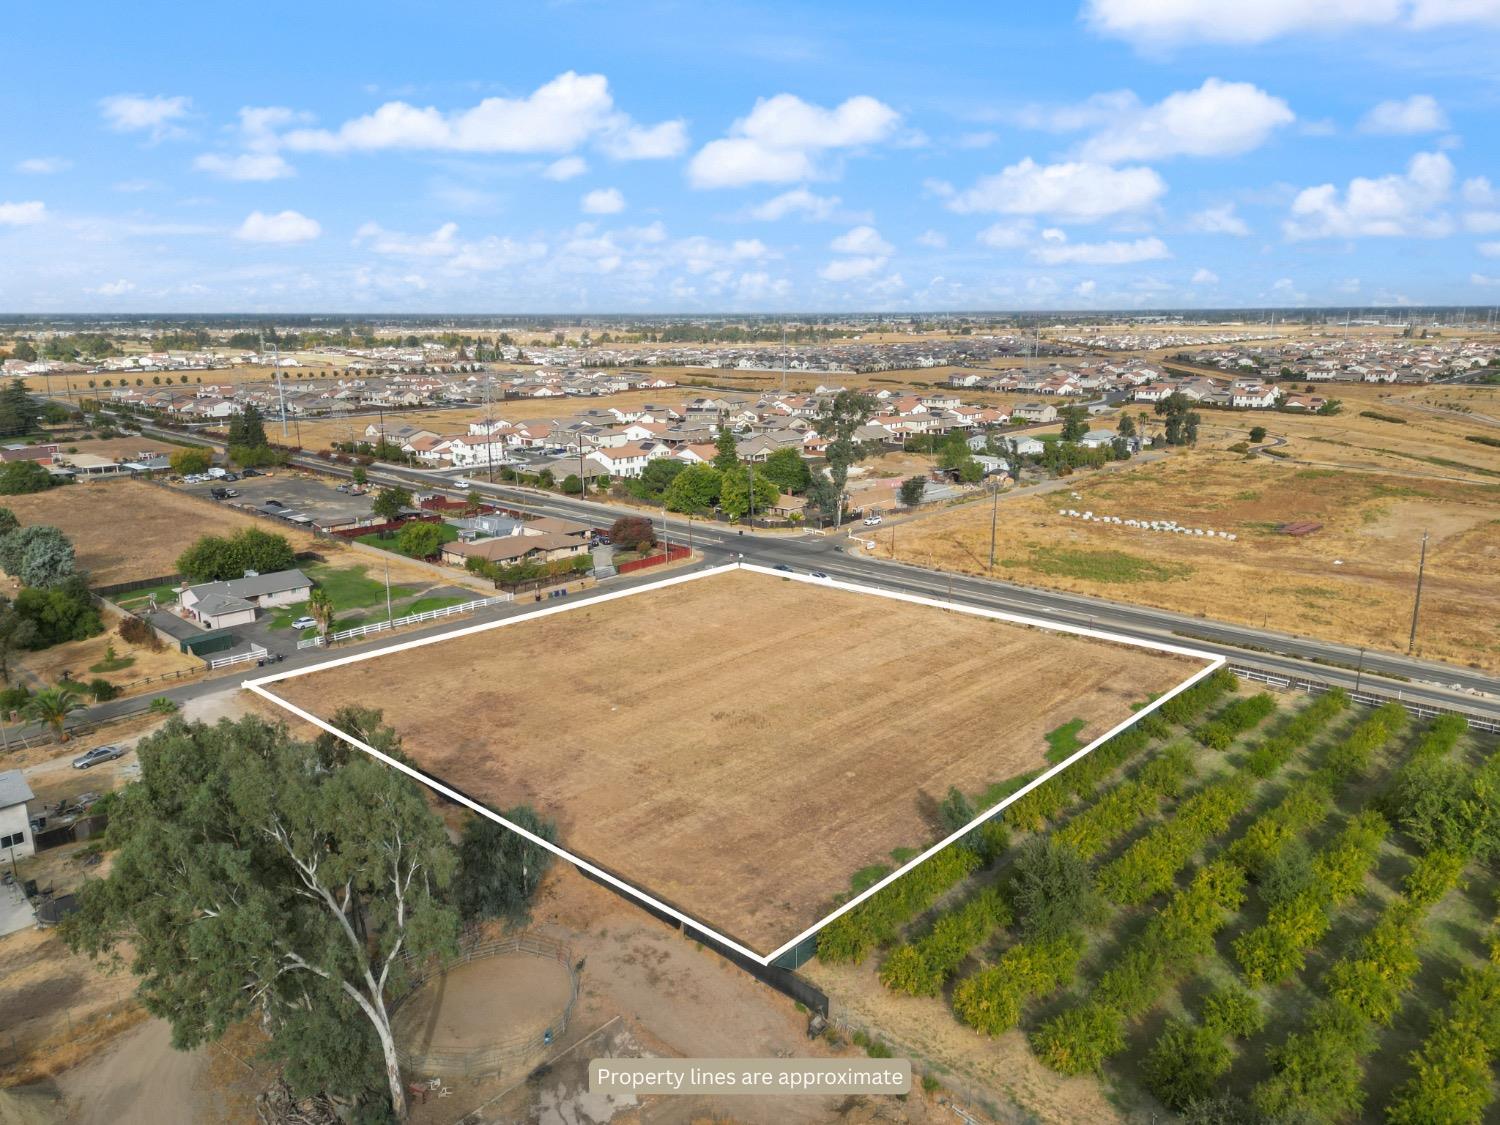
[(1214, 663)]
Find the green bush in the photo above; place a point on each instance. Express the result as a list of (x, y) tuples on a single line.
[(1318, 1075), (990, 1001), (1186, 706), (922, 968), (1150, 865), (1234, 720), (1078, 1040), (1185, 1064), (1453, 1082), (1233, 1011), (877, 920)]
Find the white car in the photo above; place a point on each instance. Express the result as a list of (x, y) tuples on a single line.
[(460, 482), (872, 521), (304, 623)]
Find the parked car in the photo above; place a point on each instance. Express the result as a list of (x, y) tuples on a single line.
[(230, 476), (782, 566), (252, 473), (872, 520), (96, 755), (460, 482), (304, 623), (273, 504), (818, 574), (343, 487)]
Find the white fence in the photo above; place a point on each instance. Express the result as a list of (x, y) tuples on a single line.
[(1367, 697), (256, 652), (409, 619)]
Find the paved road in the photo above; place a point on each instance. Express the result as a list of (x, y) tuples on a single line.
[(1441, 685)]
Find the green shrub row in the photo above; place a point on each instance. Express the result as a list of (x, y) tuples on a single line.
[(1031, 812), (1187, 706), (1240, 716), (1079, 1040), (922, 967), (878, 920), (1277, 948), (1127, 804), (1453, 1083), (1352, 756), (1318, 1072), (1305, 804), (1149, 865), (1274, 752), (991, 1000)]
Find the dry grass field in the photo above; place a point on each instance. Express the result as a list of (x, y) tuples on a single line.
[(1352, 581), (125, 530), (742, 745)]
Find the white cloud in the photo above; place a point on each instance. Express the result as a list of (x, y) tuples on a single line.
[(1419, 113), (283, 227), (603, 201), (758, 285), (1086, 288), (566, 168), (114, 288), (1093, 112), (556, 117), (1490, 249), (132, 113), (1079, 191), (247, 166), (1205, 276), (440, 243), (861, 240), (1483, 280), (1400, 204), (1217, 119), (43, 165), (816, 208), (1482, 222), (22, 214), (1055, 250), (781, 138), (847, 269), (1163, 23), (645, 142), (443, 244), (933, 239), (1218, 220), (1007, 236)]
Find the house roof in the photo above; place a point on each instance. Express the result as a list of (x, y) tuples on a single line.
[(278, 582), (216, 605), (13, 789), (510, 546)]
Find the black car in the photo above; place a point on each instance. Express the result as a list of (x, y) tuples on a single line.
[(273, 504), (252, 473), (230, 476), (782, 566)]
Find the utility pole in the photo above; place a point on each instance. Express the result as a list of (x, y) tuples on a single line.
[(389, 616), (1416, 607), (994, 519), (280, 394)]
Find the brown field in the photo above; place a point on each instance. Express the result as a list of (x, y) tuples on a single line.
[(125, 529), (119, 447), (76, 657), (741, 746), (1351, 582)]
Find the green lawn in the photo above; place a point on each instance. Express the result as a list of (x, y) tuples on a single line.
[(391, 542), (422, 605), (140, 599), (349, 587), (1064, 742)]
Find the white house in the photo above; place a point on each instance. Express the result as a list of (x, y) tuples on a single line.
[(221, 605), (1256, 396), (627, 460), (15, 822), (475, 450)]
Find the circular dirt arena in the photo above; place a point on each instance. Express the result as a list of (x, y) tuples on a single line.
[(485, 1013)]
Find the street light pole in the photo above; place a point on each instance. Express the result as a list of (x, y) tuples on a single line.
[(994, 519)]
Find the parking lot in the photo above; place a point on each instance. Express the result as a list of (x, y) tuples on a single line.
[(297, 494)]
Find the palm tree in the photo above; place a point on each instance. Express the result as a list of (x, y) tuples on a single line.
[(320, 606), (53, 705)]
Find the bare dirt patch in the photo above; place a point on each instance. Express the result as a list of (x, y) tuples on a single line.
[(741, 745), (1351, 582), (127, 530), (460, 1010)]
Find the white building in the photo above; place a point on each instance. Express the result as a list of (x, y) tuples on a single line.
[(15, 821)]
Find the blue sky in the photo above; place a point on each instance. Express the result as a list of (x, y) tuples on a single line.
[(665, 157)]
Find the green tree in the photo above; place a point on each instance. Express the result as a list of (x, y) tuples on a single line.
[(837, 423), (787, 470), (23, 350), (499, 870), (214, 558), (17, 633), (18, 410), (320, 609), (188, 462), (47, 556), (727, 456), (1053, 892), (389, 502), (359, 476), (58, 614), (303, 876), (744, 491), (419, 539), (912, 489), (8, 522), (1075, 422), (694, 489), (53, 705), (1126, 427), (1257, 434), (658, 476), (572, 485), (17, 477)]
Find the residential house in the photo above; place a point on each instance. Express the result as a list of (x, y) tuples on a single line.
[(15, 820), (1034, 412), (221, 605), (627, 460), (513, 549)]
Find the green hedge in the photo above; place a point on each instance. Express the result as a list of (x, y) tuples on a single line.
[(991, 1000), (1453, 1084), (1127, 804), (921, 968), (1234, 720), (1150, 865), (878, 920)]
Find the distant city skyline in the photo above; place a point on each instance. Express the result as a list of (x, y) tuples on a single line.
[(576, 158)]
